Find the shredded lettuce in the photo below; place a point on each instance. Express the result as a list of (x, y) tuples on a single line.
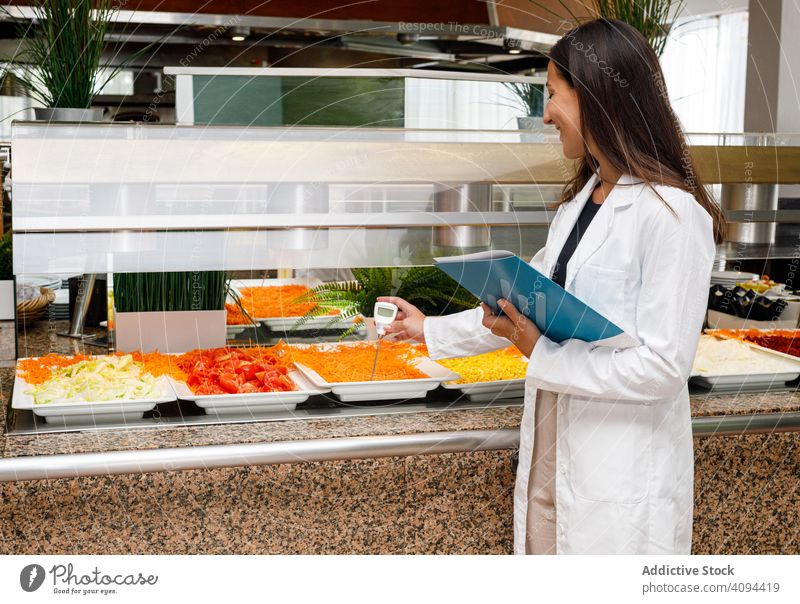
[(102, 379)]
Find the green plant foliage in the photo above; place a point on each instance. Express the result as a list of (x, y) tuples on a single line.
[(63, 47), (427, 288), (528, 98), (434, 292), (148, 292), (61, 51), (651, 17)]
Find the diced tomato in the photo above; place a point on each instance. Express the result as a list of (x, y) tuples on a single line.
[(228, 384), (247, 371), (233, 370), (286, 383)]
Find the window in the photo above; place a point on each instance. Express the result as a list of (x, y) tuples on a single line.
[(705, 63)]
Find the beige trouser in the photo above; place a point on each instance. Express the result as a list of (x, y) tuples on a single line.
[(541, 519)]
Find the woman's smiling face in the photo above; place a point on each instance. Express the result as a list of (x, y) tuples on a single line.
[(563, 111)]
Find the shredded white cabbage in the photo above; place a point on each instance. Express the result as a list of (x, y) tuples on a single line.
[(102, 379)]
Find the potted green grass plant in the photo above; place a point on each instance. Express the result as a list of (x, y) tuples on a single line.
[(528, 99), (169, 312), (60, 60), (60, 54)]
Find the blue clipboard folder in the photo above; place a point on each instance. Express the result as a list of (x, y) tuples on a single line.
[(558, 314)]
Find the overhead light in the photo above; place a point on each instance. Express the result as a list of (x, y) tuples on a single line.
[(512, 45), (239, 33), (407, 38)]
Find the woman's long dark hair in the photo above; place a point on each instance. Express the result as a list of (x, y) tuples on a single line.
[(625, 109)]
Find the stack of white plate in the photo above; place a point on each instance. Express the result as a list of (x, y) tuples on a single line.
[(59, 309), (65, 277), (730, 278), (47, 281)]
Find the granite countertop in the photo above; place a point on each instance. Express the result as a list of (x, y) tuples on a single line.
[(42, 337)]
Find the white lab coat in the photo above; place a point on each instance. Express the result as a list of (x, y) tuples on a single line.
[(625, 461)]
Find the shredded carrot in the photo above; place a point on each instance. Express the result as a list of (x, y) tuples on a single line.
[(234, 315), (270, 302), (353, 362), (157, 364), (37, 371), (272, 355)]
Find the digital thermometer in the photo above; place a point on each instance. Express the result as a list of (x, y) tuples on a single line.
[(384, 314)]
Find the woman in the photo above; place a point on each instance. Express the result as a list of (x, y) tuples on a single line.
[(606, 460)]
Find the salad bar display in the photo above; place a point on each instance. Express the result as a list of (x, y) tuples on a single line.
[(82, 389), (101, 389)]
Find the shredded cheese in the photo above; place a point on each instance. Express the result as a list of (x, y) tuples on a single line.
[(506, 364)]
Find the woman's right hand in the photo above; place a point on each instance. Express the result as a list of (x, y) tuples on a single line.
[(408, 323)]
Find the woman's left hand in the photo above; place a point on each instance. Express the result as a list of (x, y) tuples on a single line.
[(514, 326)]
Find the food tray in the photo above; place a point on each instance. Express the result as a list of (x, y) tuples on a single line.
[(314, 323), (287, 323), (490, 390), (89, 412), (758, 381), (251, 403), (381, 390), (234, 330), (750, 381)]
